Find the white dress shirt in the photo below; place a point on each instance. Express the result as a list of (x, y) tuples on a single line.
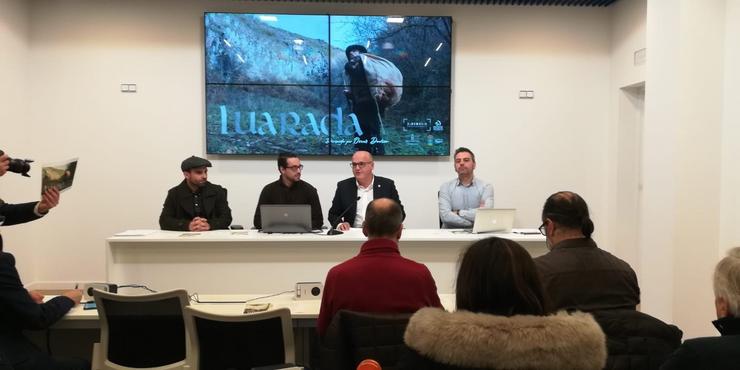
[(366, 196)]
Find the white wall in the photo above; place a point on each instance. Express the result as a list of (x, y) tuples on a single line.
[(130, 145), (628, 19), (14, 41), (683, 155), (730, 198)]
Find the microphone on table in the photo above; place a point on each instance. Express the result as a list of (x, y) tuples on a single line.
[(333, 230)]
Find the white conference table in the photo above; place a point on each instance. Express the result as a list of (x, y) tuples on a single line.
[(303, 313), (251, 262), (300, 310)]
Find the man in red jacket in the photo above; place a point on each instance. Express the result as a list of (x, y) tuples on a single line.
[(378, 280)]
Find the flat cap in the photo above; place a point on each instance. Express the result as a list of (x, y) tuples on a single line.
[(194, 162)]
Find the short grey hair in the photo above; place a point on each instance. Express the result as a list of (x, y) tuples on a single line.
[(727, 280)]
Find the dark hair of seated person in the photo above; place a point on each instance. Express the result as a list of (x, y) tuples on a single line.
[(497, 276), (569, 210)]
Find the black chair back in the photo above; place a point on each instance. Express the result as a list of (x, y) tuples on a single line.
[(241, 342), (355, 336), (143, 331)]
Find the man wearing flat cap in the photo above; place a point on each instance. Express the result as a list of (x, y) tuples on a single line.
[(195, 204)]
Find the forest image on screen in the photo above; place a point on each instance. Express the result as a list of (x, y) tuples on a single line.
[(327, 84)]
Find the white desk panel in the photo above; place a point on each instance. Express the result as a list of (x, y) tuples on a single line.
[(301, 311), (251, 262)]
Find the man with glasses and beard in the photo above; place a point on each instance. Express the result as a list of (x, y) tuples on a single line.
[(577, 274), (195, 204), (355, 193), (290, 189)]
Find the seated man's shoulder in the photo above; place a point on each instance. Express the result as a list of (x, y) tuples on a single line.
[(178, 188), (730, 342), (447, 184), (382, 179), (307, 185), (348, 182), (411, 267), (216, 187), (270, 186), (706, 352)]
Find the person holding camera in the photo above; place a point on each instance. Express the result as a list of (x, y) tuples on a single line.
[(23, 310)]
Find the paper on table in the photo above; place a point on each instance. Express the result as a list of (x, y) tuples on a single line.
[(136, 233), (526, 231)]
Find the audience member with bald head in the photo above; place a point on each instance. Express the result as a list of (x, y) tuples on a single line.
[(576, 273), (355, 193), (378, 279)]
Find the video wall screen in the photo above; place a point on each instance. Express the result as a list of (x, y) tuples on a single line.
[(327, 84)]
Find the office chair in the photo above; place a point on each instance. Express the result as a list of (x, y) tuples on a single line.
[(237, 342), (355, 336), (142, 331)]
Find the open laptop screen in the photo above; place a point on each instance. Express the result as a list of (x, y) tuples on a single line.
[(286, 218), (494, 220)]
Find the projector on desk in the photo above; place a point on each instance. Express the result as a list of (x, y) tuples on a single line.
[(87, 290), (308, 290)]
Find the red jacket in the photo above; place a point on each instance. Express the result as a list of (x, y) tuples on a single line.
[(377, 280)]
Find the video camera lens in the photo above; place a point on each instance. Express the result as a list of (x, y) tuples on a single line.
[(21, 166)]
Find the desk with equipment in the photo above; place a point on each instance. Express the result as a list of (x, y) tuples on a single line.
[(229, 265), (252, 262)]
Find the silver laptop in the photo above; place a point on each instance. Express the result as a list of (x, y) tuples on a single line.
[(286, 218), (493, 220)]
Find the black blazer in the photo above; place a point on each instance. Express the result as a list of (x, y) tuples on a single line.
[(177, 211), (19, 312), (16, 214), (346, 195)]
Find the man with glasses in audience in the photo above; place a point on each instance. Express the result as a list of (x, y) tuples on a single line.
[(355, 193), (290, 189), (576, 273), (195, 204), (460, 197)]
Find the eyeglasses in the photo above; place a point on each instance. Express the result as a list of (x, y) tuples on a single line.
[(543, 229), (359, 164), (295, 168)]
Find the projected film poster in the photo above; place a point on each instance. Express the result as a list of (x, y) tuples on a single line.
[(327, 85)]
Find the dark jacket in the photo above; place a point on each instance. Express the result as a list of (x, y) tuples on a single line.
[(345, 198), (300, 193), (16, 214), (467, 340), (178, 210), (635, 340), (710, 353), (578, 275), (19, 312), (355, 336)]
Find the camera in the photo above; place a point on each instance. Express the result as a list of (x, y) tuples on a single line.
[(21, 166)]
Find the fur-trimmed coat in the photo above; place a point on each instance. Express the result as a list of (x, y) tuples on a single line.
[(467, 340)]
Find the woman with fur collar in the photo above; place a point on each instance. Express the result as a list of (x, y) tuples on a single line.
[(502, 320)]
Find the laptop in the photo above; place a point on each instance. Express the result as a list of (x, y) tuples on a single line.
[(286, 218), (493, 220)]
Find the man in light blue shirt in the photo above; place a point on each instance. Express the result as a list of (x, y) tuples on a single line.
[(459, 198)]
